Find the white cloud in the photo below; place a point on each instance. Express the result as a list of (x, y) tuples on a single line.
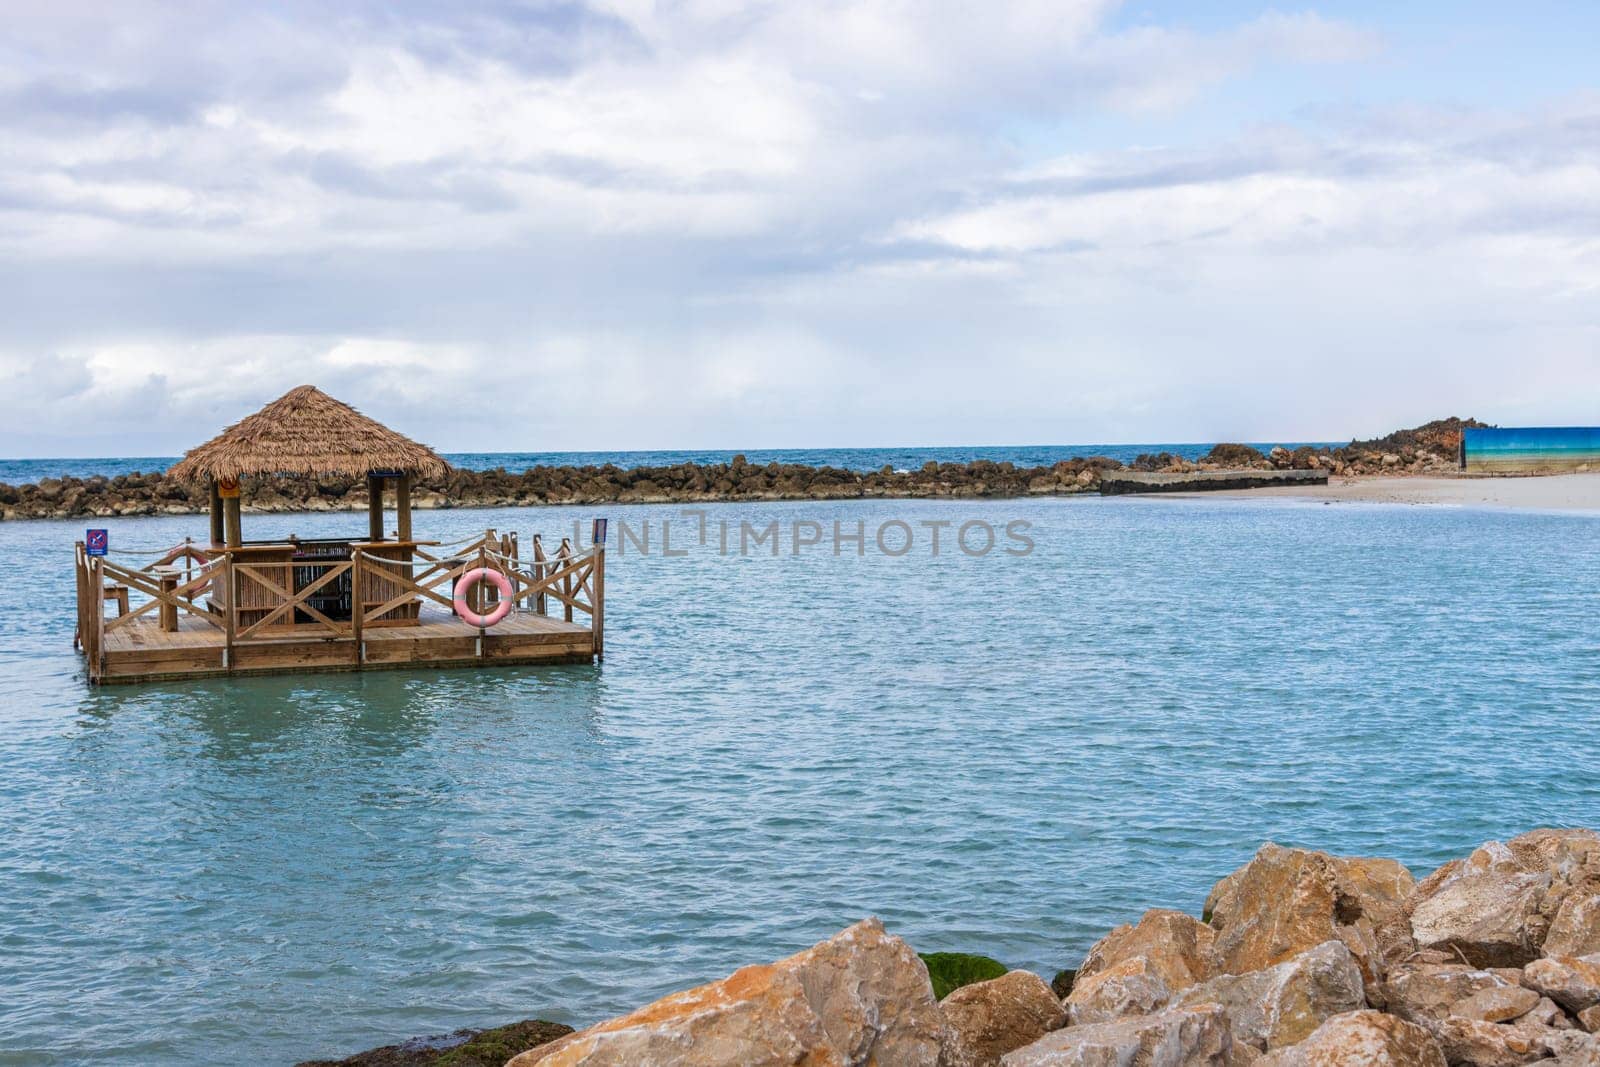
[(724, 223)]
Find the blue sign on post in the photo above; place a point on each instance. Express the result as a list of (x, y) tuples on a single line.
[(599, 535), (95, 542)]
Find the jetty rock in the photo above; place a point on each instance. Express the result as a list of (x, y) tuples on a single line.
[(1288, 900), (1283, 1004), (1173, 1038), (861, 997), (1499, 906), (986, 1020), (1138, 968), (1361, 1039), (1301, 958)]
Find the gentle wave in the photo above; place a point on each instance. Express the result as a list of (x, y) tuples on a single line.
[(1004, 755)]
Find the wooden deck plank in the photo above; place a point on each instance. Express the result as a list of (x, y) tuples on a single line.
[(142, 651)]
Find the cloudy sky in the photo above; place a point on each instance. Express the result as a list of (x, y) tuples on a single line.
[(626, 224)]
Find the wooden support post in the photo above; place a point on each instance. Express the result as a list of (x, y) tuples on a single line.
[(541, 603), (235, 529), (402, 505), (231, 611), (374, 508), (169, 609), (565, 556), (487, 595), (218, 533), (358, 607), (94, 640), (597, 621)]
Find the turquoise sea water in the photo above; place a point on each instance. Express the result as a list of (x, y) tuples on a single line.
[(997, 754)]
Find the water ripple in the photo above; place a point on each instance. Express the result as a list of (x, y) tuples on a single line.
[(998, 755)]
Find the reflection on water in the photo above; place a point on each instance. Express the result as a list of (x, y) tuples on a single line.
[(999, 754), (322, 720)]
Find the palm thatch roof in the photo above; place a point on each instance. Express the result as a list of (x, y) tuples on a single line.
[(306, 431)]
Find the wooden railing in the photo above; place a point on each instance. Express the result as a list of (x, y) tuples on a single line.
[(177, 598), (257, 601), (274, 582)]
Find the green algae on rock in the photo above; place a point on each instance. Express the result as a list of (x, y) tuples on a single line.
[(464, 1048), (949, 971)]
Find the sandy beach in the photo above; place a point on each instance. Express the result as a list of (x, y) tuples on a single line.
[(1553, 492)]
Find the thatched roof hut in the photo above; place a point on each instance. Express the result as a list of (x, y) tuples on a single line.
[(306, 431)]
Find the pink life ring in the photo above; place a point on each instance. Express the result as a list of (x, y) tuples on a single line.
[(472, 578)]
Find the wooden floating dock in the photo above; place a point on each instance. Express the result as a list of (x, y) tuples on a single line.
[(169, 625), (143, 652), (231, 606), (1119, 483)]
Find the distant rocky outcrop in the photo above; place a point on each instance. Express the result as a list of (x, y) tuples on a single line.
[(1304, 959), (155, 494), (1428, 449), (1432, 448)]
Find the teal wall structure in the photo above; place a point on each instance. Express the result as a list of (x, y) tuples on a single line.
[(1531, 449)]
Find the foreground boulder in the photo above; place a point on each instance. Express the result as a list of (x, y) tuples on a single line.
[(1300, 945), (861, 997), (1287, 900), (1284, 1004), (1572, 983), (1476, 1043), (1575, 930), (1136, 969), (1573, 1049), (1496, 1005), (1500, 905), (1427, 992), (1180, 1037), (985, 1020), (1488, 916), (1361, 1039)]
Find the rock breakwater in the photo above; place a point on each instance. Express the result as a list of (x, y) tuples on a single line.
[(1301, 959), (1424, 450)]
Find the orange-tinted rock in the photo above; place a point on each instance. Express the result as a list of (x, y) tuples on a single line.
[(1287, 900), (861, 997), (1138, 968), (1500, 905), (985, 1020), (1572, 1048), (1575, 929), (1361, 1039), (1572, 982), (758, 1015), (1485, 1044), (1489, 918), (1178, 1037), (1133, 986), (1283, 1004), (1423, 992), (1497, 1004), (1177, 944), (1546, 1015)]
